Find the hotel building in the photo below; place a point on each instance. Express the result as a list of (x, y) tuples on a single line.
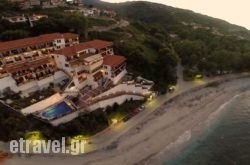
[(90, 69), (26, 64), (91, 63), (31, 64)]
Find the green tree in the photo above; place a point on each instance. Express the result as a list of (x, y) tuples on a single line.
[(191, 52), (77, 23), (13, 34)]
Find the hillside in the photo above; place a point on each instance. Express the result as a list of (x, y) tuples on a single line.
[(156, 40), (170, 16), (159, 36)]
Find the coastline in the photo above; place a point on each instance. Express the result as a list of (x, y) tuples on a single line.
[(198, 118), (162, 134), (192, 135)]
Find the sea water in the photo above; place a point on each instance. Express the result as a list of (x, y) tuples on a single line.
[(225, 143)]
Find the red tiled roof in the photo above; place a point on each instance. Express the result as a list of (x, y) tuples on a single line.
[(113, 60), (98, 44), (72, 50), (70, 35), (26, 65), (67, 51), (21, 43), (16, 67), (75, 63), (50, 37), (39, 62)]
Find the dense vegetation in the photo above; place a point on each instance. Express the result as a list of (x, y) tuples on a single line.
[(14, 125), (157, 38), (57, 21), (204, 45)]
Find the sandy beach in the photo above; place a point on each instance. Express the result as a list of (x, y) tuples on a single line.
[(161, 135)]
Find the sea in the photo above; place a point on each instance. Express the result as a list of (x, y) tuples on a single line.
[(226, 142)]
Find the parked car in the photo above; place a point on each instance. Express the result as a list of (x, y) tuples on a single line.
[(141, 108)]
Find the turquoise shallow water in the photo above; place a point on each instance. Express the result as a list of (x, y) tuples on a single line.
[(226, 143)]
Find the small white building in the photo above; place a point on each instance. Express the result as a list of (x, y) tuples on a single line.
[(16, 19)]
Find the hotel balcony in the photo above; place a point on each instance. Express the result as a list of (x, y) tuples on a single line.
[(21, 51), (70, 42), (118, 70), (98, 75), (98, 68), (31, 70), (32, 75), (82, 72), (82, 78), (17, 60), (108, 51), (3, 73)]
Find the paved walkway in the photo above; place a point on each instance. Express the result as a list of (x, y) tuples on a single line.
[(112, 134), (106, 138)]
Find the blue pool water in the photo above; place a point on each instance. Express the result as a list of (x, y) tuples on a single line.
[(56, 111)]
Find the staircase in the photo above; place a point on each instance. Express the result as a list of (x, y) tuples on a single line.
[(107, 83)]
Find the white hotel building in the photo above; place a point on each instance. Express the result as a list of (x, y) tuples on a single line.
[(26, 64), (93, 71), (31, 64), (91, 63)]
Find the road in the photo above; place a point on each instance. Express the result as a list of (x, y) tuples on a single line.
[(119, 24), (108, 137), (112, 134)]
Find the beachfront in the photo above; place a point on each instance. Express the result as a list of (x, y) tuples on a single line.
[(162, 133)]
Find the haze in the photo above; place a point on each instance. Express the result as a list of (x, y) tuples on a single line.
[(233, 11)]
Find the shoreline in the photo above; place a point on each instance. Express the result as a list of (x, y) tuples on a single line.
[(163, 133), (192, 135), (196, 128)]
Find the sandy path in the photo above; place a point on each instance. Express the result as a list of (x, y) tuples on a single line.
[(162, 134)]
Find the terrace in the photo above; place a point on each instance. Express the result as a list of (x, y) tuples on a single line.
[(3, 73), (23, 58), (19, 101), (92, 62), (44, 47), (32, 70), (106, 51), (117, 70), (87, 93), (70, 42)]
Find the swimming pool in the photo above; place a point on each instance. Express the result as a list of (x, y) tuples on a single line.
[(56, 111)]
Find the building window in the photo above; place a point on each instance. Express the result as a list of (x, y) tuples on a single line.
[(66, 65), (106, 73)]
